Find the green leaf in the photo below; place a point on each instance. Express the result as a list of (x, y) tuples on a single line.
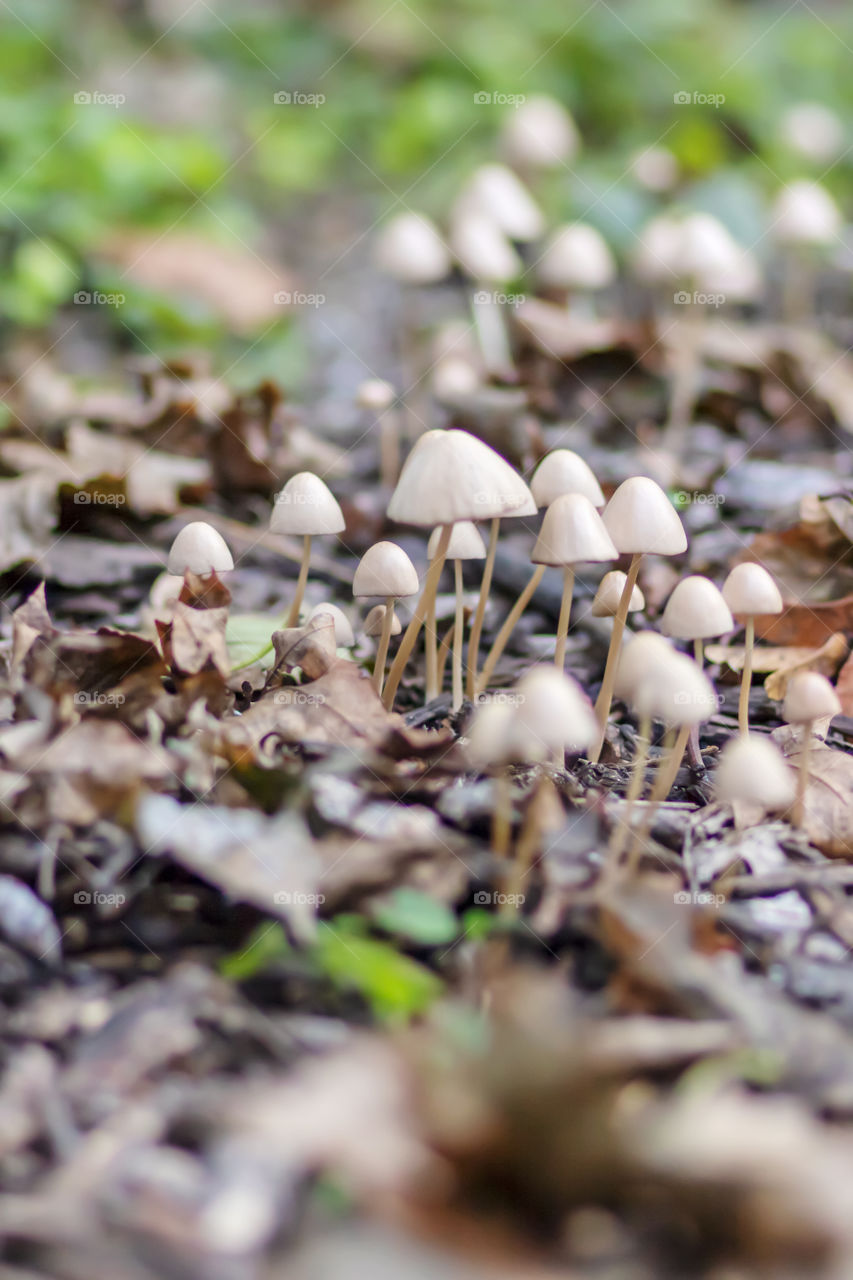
[(412, 914), (267, 943), (248, 634), (395, 986)]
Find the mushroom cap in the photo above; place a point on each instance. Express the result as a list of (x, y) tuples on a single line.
[(805, 213), (813, 130), (809, 696), (752, 770), (540, 133), (452, 475), (385, 570), (410, 248), (344, 636), (695, 247), (696, 610), (454, 376), (655, 168), (199, 548), (482, 250), (490, 739), (375, 394), (576, 257), (675, 690), (641, 518), (606, 601), (306, 505), (497, 192), (749, 590), (572, 532), (564, 471), (637, 657), (164, 594), (375, 619), (552, 714), (465, 542)]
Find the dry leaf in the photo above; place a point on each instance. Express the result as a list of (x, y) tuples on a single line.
[(825, 661), (828, 803)]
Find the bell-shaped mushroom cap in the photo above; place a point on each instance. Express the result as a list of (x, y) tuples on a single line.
[(750, 590), (655, 168), (454, 376), (199, 548), (606, 601), (497, 192), (552, 714), (375, 619), (576, 257), (572, 532), (676, 691), (540, 133), (452, 475), (696, 610), (374, 394), (695, 248), (813, 130), (465, 542), (641, 518), (482, 250), (708, 250), (805, 213), (385, 570), (752, 770), (564, 471), (637, 658), (306, 505), (410, 248), (344, 636), (490, 735), (658, 255), (809, 697)]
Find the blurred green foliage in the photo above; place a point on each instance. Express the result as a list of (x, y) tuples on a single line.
[(200, 142)]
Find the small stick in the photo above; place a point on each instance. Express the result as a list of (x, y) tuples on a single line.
[(506, 630), (412, 632), (458, 637), (293, 616), (477, 624), (797, 813), (565, 614), (746, 678), (384, 641), (605, 697)]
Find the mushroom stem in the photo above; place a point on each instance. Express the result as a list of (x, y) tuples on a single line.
[(384, 641), (389, 446), (797, 813), (684, 381), (457, 637), (660, 790), (565, 614), (293, 616), (477, 624), (443, 651), (432, 688), (746, 678), (635, 787), (699, 652), (502, 815), (425, 601), (491, 330), (506, 630), (605, 697)]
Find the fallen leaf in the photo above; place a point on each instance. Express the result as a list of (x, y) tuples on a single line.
[(828, 801), (825, 661)]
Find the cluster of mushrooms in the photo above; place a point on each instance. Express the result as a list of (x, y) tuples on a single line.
[(451, 482)]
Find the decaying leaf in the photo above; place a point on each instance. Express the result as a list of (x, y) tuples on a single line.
[(828, 803), (825, 661)]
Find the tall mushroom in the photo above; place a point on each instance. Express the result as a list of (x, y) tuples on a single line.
[(377, 398), (576, 260), (386, 571), (539, 134), (307, 507), (696, 611), (749, 591), (465, 544), (809, 698), (641, 521)]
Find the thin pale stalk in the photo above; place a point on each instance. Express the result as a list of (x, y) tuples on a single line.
[(490, 325), (507, 629), (384, 641), (699, 652), (293, 616), (432, 688), (605, 697), (685, 381), (565, 615), (477, 624), (458, 637), (746, 678), (412, 632), (443, 651), (502, 815), (660, 790), (798, 811)]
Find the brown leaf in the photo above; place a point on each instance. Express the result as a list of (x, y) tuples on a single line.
[(828, 803), (29, 621), (825, 661)]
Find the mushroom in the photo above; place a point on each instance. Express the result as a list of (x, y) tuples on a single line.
[(344, 636), (305, 506), (485, 254), (809, 697), (605, 603), (572, 533), (377, 397), (564, 471), (448, 476), (813, 131), (200, 549), (576, 259), (753, 773), (465, 544), (497, 192), (375, 620), (806, 220), (539, 134), (384, 570), (409, 247), (749, 591), (641, 520), (696, 611), (655, 168)]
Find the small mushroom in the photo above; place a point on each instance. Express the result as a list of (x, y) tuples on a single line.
[(497, 192), (805, 220), (564, 471), (809, 698), (696, 611), (572, 533), (753, 773), (385, 570), (375, 620), (527, 508), (377, 398), (605, 603), (409, 247), (344, 636), (539, 134), (305, 506), (576, 260), (465, 544), (200, 549), (485, 254), (749, 591), (641, 520)]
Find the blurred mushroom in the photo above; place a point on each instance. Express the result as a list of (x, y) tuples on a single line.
[(809, 697)]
